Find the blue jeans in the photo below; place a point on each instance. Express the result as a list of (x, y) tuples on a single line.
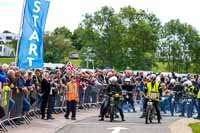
[(198, 108), (195, 104), (164, 104), (38, 101), (86, 96), (171, 105), (51, 105), (127, 105), (94, 97), (187, 107), (142, 103), (178, 106)]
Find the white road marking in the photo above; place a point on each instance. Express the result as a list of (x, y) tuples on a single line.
[(117, 129)]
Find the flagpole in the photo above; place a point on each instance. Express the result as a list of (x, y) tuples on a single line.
[(20, 32)]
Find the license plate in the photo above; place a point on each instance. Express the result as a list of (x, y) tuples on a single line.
[(121, 98), (149, 103), (189, 100), (111, 99)]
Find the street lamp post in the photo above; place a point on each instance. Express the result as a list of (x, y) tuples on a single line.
[(89, 57)]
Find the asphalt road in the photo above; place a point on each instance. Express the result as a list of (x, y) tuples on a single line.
[(133, 124)]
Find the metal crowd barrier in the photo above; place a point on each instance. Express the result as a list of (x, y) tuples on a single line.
[(90, 97)]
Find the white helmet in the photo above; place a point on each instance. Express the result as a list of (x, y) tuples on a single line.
[(187, 83), (127, 80), (158, 79), (172, 81), (193, 80), (184, 79), (113, 79), (153, 76)]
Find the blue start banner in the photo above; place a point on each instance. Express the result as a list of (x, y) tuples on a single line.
[(30, 47)]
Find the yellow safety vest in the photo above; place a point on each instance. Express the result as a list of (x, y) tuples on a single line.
[(5, 98), (189, 90), (198, 95), (154, 89)]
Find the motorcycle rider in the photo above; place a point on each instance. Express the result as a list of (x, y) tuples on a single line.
[(188, 93), (153, 87), (198, 100), (115, 88), (128, 87)]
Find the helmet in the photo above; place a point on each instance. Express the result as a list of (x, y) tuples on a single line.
[(113, 79), (193, 80), (172, 81), (148, 77), (184, 79), (158, 79), (127, 80), (189, 83), (198, 80), (153, 76)]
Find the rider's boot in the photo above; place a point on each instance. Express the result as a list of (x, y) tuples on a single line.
[(122, 117), (102, 119), (159, 121), (143, 114)]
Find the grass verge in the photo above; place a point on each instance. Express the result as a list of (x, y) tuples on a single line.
[(195, 127), (7, 60)]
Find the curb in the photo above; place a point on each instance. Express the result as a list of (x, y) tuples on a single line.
[(181, 126)]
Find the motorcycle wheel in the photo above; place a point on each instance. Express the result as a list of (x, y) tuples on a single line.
[(151, 116), (111, 114), (147, 117)]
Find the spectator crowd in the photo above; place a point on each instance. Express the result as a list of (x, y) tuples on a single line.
[(25, 90)]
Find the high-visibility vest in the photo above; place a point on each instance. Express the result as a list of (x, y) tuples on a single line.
[(189, 90), (198, 95), (72, 92), (5, 98), (153, 89)]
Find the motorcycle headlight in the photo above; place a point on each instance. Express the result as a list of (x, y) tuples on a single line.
[(117, 95)]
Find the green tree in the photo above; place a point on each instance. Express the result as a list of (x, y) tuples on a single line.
[(178, 41), (78, 38), (57, 45), (6, 31), (127, 38), (141, 36), (103, 34)]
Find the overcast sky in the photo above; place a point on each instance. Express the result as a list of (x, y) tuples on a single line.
[(69, 12)]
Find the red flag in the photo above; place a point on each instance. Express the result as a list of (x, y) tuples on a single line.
[(71, 67)]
